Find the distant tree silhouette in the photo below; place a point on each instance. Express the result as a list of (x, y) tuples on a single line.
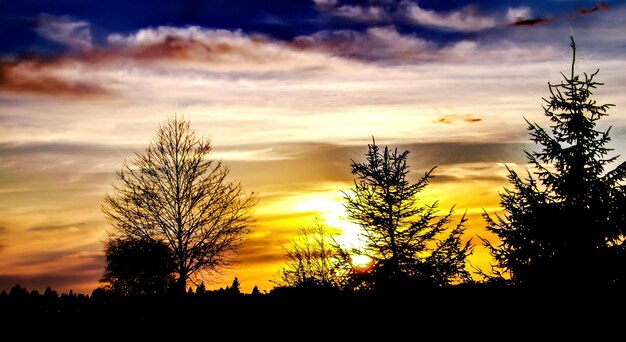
[(201, 289), (19, 292), (172, 192), (255, 291), (406, 241), (139, 267), (235, 287), (50, 294), (313, 259), (564, 223)]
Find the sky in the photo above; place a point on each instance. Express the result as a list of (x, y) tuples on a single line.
[(288, 92)]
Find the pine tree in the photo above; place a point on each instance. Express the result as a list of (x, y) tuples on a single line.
[(201, 289), (564, 223), (255, 291), (405, 241), (235, 288)]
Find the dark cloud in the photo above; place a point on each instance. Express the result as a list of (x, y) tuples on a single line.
[(451, 120), (532, 22), (81, 274), (57, 227), (447, 178), (600, 6), (265, 249), (447, 121), (41, 258), (310, 164), (259, 256), (60, 148)]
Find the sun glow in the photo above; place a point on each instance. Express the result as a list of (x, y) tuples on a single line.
[(329, 208)]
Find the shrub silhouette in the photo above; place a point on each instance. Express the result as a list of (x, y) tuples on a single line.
[(138, 267)]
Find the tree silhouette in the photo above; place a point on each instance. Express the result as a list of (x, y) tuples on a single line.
[(235, 287), (201, 289), (313, 259), (139, 267), (564, 223), (405, 240), (172, 192), (255, 291)]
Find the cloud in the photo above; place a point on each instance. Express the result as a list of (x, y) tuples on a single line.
[(454, 119), (521, 16), (465, 20), (264, 249), (514, 14), (55, 228), (376, 44), (325, 5), (65, 30), (14, 150), (386, 45), (267, 154), (370, 14), (42, 77), (211, 47), (191, 50)]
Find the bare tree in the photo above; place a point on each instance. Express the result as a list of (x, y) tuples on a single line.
[(313, 258), (172, 192)]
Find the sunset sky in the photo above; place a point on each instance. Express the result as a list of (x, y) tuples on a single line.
[(288, 91)]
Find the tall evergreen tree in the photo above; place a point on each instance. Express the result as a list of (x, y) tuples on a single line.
[(564, 223), (406, 241)]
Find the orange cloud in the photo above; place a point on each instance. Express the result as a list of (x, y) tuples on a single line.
[(30, 76), (448, 120)]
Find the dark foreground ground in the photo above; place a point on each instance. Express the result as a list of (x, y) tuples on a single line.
[(326, 314)]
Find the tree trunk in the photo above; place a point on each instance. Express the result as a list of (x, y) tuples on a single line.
[(181, 284)]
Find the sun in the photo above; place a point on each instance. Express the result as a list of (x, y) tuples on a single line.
[(360, 260), (329, 208)]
